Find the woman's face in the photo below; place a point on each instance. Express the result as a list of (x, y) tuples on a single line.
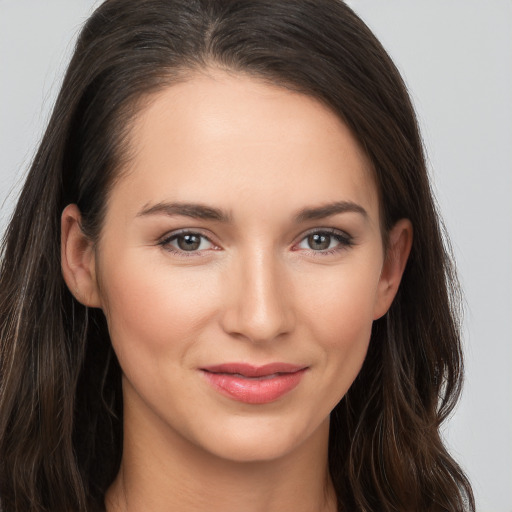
[(240, 266)]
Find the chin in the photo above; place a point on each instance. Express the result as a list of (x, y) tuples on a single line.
[(263, 440), (255, 450)]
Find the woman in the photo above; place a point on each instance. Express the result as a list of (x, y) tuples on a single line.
[(224, 286)]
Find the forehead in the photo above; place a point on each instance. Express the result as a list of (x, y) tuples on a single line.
[(232, 138)]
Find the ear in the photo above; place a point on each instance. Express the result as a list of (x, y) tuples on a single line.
[(399, 247), (78, 259)]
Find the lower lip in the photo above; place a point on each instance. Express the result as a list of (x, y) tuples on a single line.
[(261, 390)]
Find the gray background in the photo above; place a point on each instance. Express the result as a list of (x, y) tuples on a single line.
[(456, 57)]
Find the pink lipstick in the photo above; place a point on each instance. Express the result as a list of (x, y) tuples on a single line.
[(254, 384)]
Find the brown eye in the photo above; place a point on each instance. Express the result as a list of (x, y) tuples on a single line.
[(188, 242), (326, 241), (319, 241)]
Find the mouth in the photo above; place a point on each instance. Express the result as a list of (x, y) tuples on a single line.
[(254, 384)]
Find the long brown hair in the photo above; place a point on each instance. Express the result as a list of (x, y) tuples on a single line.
[(60, 392)]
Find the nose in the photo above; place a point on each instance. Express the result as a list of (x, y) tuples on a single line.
[(258, 302)]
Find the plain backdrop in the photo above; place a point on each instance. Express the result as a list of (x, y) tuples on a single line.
[(456, 57)]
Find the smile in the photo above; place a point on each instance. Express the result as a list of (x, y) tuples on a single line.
[(252, 384)]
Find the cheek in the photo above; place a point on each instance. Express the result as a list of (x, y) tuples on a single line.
[(153, 309), (339, 311), (344, 328), (341, 305)]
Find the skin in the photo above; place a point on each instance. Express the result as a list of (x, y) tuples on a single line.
[(256, 291)]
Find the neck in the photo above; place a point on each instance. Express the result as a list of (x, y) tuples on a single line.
[(160, 471)]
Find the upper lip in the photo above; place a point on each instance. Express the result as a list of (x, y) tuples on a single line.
[(249, 370)]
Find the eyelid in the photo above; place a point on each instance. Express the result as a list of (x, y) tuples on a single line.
[(165, 241), (346, 241)]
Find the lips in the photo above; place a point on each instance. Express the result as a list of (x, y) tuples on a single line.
[(254, 384)]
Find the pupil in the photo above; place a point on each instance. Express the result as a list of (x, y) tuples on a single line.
[(189, 242), (319, 242)]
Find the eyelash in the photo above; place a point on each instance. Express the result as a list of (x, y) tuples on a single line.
[(166, 243), (345, 241)]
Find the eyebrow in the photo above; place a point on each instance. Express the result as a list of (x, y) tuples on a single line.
[(204, 212), (329, 209), (193, 210)]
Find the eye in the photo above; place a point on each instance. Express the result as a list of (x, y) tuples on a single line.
[(326, 241), (186, 242)]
